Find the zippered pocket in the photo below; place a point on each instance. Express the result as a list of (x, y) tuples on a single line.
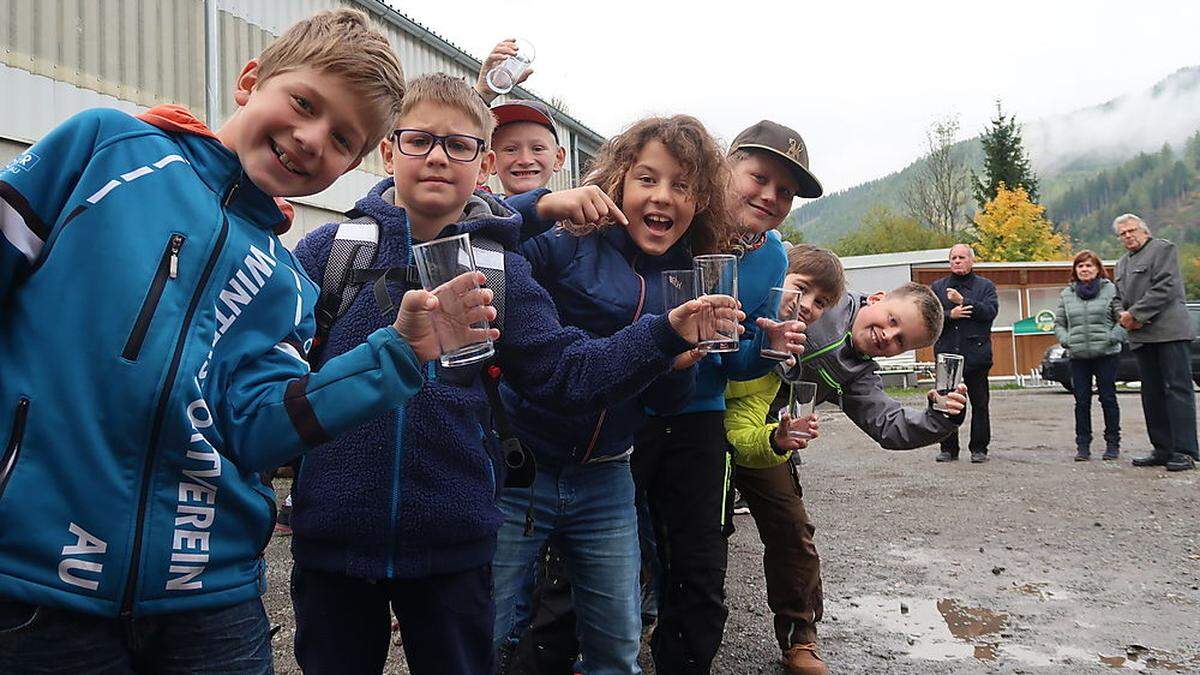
[(168, 268), (13, 449)]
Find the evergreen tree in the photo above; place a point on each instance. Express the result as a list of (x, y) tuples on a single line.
[(1004, 161)]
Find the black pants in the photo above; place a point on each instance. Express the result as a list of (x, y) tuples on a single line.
[(343, 624), (681, 463), (976, 380), (1103, 369), (550, 646), (1167, 399)]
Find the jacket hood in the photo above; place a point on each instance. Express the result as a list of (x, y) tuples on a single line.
[(177, 119), (484, 214)]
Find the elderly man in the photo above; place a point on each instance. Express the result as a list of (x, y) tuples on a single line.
[(970, 304), (1160, 331)]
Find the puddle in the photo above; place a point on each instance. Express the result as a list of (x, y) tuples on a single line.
[(949, 630)]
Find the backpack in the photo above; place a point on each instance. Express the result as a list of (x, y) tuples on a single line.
[(348, 269)]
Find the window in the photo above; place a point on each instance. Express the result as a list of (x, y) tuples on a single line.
[(1010, 310), (1042, 298)]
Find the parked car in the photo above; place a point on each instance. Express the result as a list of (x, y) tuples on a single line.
[(1056, 365)]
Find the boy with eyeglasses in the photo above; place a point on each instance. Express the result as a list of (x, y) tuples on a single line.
[(401, 510)]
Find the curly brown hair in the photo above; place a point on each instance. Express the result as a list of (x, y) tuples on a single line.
[(704, 166)]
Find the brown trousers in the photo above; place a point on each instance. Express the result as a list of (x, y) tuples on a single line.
[(790, 560)]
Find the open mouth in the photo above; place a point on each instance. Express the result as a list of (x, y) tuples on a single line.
[(657, 224), (286, 161), (525, 173), (877, 339)]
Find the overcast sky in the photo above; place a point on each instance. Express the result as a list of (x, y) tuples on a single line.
[(861, 81)]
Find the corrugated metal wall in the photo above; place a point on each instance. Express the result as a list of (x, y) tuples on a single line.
[(139, 51)]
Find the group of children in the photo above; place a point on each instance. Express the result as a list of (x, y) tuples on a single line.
[(133, 516)]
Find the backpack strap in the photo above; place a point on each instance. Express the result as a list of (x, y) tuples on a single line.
[(354, 247)]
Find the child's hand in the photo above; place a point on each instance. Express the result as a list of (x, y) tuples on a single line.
[(687, 359), (956, 401), (688, 318), (503, 49), (586, 205), (415, 319), (784, 440), (787, 336)]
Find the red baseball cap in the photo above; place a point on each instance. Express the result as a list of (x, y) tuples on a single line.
[(522, 110)]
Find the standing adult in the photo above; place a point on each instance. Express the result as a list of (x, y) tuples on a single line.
[(1086, 324), (1160, 332), (970, 304)]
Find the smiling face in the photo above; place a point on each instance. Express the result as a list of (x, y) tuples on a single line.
[(813, 299), (434, 188), (888, 326), (763, 189), (657, 200), (526, 156), (297, 132)]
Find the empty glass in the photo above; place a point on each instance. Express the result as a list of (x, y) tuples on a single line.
[(802, 400), (948, 374), (502, 78), (716, 275), (783, 304), (439, 262)]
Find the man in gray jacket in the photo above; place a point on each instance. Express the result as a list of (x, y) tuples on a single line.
[(1160, 332)]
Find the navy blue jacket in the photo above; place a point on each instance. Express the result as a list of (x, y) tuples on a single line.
[(970, 336), (411, 493), (599, 283)]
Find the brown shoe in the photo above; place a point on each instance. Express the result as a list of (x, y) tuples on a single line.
[(803, 659)]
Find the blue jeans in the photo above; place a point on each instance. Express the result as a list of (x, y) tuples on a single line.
[(1104, 370), (45, 640), (589, 511)]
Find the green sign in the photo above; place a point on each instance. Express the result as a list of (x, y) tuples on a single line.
[(1042, 322)]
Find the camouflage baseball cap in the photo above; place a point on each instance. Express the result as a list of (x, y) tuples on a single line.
[(788, 145)]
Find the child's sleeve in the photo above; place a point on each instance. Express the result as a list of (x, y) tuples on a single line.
[(563, 367), (35, 189), (525, 204), (892, 425), (746, 426)]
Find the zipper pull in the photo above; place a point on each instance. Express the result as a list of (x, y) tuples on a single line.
[(176, 244), (232, 190)]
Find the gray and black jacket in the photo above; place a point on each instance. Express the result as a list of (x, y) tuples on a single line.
[(842, 373), (1150, 287)]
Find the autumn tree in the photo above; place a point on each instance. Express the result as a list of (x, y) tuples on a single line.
[(1004, 160), (885, 231), (937, 193), (1012, 228)]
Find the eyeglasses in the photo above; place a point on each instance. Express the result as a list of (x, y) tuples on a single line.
[(417, 143)]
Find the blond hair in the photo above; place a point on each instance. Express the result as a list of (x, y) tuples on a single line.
[(453, 92), (704, 166), (820, 265), (342, 43), (928, 305)]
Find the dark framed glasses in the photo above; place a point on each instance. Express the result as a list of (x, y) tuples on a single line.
[(417, 143)]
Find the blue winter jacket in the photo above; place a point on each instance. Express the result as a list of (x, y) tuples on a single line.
[(152, 330), (412, 493), (599, 283), (759, 270)]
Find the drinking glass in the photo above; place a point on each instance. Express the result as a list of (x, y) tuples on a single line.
[(948, 374), (438, 263), (716, 275), (503, 77), (783, 304), (802, 400)]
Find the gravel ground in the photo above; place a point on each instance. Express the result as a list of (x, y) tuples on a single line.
[(1030, 563)]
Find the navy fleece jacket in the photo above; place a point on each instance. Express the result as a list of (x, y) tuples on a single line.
[(411, 493)]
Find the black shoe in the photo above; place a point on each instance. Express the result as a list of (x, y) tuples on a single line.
[(1149, 460), (1180, 462), (978, 457), (1082, 455), (945, 456), (1112, 453)]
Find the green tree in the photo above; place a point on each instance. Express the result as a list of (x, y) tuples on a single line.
[(1004, 160), (790, 230), (1012, 228), (885, 231)]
